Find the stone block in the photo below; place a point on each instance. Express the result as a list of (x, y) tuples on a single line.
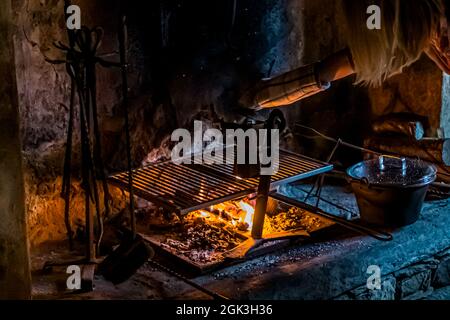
[(442, 275), (420, 295), (415, 279), (344, 297), (442, 294), (387, 292)]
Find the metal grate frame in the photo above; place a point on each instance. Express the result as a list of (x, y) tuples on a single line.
[(187, 188)]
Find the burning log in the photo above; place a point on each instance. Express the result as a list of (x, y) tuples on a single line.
[(428, 149)]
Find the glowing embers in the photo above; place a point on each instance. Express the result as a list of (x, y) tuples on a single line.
[(203, 239), (205, 234), (238, 213)]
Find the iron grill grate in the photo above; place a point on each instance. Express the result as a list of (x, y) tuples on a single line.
[(186, 188)]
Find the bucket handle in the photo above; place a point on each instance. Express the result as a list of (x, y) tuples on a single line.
[(382, 165)]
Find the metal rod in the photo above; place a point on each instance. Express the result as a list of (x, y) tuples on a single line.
[(85, 152), (321, 179), (346, 144), (68, 156), (67, 176), (123, 43), (379, 235), (330, 203)]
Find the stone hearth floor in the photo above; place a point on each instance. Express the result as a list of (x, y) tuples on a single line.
[(415, 265)]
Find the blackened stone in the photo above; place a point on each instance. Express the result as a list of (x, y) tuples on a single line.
[(387, 291), (442, 276), (420, 295), (415, 279), (440, 294)]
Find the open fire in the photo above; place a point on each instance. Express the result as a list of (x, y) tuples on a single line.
[(204, 236), (203, 215), (239, 214)]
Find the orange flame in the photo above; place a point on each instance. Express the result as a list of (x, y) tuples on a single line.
[(249, 213), (204, 214), (240, 212)]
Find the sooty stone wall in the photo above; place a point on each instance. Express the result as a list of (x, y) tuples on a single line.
[(189, 60), (44, 92)]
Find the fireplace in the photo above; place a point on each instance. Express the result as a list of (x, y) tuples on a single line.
[(166, 68), (208, 212)]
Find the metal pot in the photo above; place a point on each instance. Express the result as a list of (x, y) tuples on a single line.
[(390, 191)]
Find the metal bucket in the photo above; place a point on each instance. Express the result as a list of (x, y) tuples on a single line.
[(391, 191)]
